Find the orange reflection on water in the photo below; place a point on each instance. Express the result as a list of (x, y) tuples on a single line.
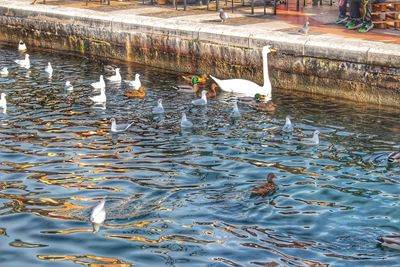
[(87, 260), (177, 238)]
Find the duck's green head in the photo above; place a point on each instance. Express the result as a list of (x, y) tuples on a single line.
[(195, 79), (259, 97)]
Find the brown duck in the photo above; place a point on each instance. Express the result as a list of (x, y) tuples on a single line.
[(268, 106), (390, 241), (210, 93), (136, 93), (265, 188), (195, 79)]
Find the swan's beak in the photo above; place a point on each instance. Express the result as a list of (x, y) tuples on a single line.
[(273, 50)]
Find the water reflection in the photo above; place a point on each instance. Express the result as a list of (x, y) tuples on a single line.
[(184, 197)]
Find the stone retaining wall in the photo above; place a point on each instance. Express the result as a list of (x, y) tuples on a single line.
[(350, 69)]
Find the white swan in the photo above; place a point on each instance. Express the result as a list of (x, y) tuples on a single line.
[(26, 63), (135, 84), (159, 109), (100, 84), (116, 77), (68, 86), (49, 69), (246, 87), (21, 46), (101, 98)]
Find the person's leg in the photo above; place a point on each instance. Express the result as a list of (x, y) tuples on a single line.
[(367, 19), (355, 21), (342, 12)]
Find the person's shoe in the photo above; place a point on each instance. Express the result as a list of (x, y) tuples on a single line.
[(366, 27), (341, 20), (354, 24)]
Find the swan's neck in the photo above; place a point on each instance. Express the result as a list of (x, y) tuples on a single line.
[(267, 83)]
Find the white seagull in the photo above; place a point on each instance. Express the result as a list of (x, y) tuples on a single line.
[(116, 77), (120, 127), (4, 71), (101, 98), (98, 215), (26, 63), (185, 123), (49, 69), (201, 101), (288, 127), (312, 141), (21, 46), (135, 84), (68, 86), (246, 87), (235, 111), (222, 15), (159, 109), (100, 84), (3, 101)]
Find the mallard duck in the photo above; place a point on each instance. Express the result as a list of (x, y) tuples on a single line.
[(195, 79), (245, 87), (265, 188), (136, 93), (268, 106), (390, 241)]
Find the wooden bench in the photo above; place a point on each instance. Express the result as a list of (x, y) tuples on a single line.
[(386, 14)]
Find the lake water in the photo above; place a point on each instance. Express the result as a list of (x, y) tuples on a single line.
[(184, 198)]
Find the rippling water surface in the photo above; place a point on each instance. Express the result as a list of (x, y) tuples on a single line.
[(184, 198)]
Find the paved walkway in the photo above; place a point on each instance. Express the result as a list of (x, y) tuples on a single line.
[(321, 18)]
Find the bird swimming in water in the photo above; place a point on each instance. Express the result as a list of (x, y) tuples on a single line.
[(210, 93), (136, 93), (100, 84), (265, 188), (312, 141), (305, 28), (101, 98), (185, 123), (3, 102), (98, 215), (202, 101), (21, 46), (222, 15), (159, 109), (394, 157), (49, 69), (390, 241), (288, 127), (116, 77), (68, 86), (235, 113), (195, 79), (4, 71), (26, 63), (118, 128), (135, 84)]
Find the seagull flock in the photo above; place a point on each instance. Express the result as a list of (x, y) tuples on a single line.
[(98, 214)]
